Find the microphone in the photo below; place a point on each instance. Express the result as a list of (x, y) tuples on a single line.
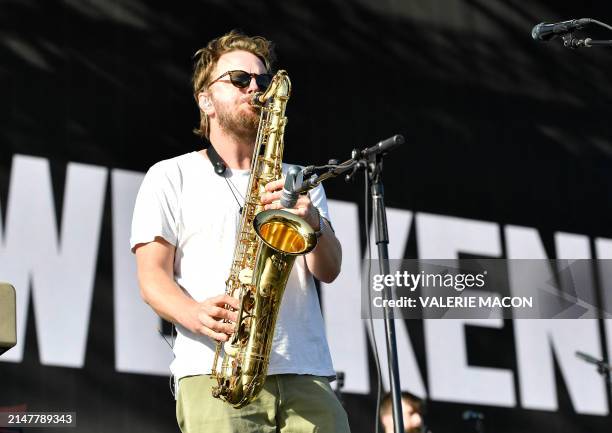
[(293, 182), (546, 31), (592, 360), (383, 146), (586, 357)]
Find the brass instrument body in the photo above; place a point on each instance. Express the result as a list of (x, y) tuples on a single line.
[(266, 247)]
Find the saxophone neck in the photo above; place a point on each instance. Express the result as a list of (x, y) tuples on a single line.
[(279, 87)]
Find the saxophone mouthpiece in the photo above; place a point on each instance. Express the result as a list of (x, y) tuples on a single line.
[(255, 99)]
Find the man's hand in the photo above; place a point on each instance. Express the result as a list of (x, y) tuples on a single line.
[(159, 290), (325, 259), (303, 208), (207, 317)]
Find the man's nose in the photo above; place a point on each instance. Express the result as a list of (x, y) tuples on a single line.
[(253, 87)]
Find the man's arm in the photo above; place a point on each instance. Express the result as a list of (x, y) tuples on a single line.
[(325, 260), (155, 262)]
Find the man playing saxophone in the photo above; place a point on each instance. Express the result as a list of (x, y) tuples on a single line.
[(183, 235)]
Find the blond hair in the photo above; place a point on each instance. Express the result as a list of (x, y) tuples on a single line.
[(206, 59)]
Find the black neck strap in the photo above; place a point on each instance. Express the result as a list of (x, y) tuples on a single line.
[(216, 160), (220, 168)]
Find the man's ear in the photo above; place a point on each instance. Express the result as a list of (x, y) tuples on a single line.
[(205, 103)]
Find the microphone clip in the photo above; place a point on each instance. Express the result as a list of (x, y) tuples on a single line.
[(569, 41)]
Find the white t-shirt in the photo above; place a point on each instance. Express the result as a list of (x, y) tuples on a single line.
[(185, 202)]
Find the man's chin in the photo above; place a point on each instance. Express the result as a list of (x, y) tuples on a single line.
[(249, 125), (248, 108), (251, 119)]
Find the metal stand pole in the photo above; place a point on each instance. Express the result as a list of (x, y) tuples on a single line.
[(382, 242)]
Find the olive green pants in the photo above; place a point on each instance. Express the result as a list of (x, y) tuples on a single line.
[(288, 403)]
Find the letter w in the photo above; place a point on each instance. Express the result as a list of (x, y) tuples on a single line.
[(59, 269)]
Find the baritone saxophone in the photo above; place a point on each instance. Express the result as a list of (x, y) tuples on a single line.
[(267, 243)]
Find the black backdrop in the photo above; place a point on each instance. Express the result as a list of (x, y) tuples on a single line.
[(498, 128)]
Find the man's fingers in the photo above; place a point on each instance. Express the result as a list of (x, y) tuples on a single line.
[(301, 212), (222, 300), (231, 301), (303, 201), (269, 197), (214, 335), (222, 313), (217, 321), (275, 184), (232, 315), (275, 205), (217, 325)]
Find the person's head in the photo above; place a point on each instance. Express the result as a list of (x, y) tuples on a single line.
[(221, 100), (411, 409)]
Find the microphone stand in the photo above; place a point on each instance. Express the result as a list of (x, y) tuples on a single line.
[(371, 160), (379, 213), (570, 42)]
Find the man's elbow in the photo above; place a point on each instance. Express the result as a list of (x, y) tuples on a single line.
[(144, 296), (332, 270), (329, 275), (145, 292), (327, 279)]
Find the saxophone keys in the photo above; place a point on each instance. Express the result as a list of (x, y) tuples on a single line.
[(246, 276), (230, 349)]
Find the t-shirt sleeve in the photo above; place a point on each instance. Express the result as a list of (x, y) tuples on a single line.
[(156, 211), (319, 200)]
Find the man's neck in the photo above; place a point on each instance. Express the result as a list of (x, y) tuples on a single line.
[(235, 151)]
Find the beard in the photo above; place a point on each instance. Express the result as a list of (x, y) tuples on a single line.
[(236, 120)]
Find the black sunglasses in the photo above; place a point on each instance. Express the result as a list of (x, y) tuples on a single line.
[(242, 79)]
